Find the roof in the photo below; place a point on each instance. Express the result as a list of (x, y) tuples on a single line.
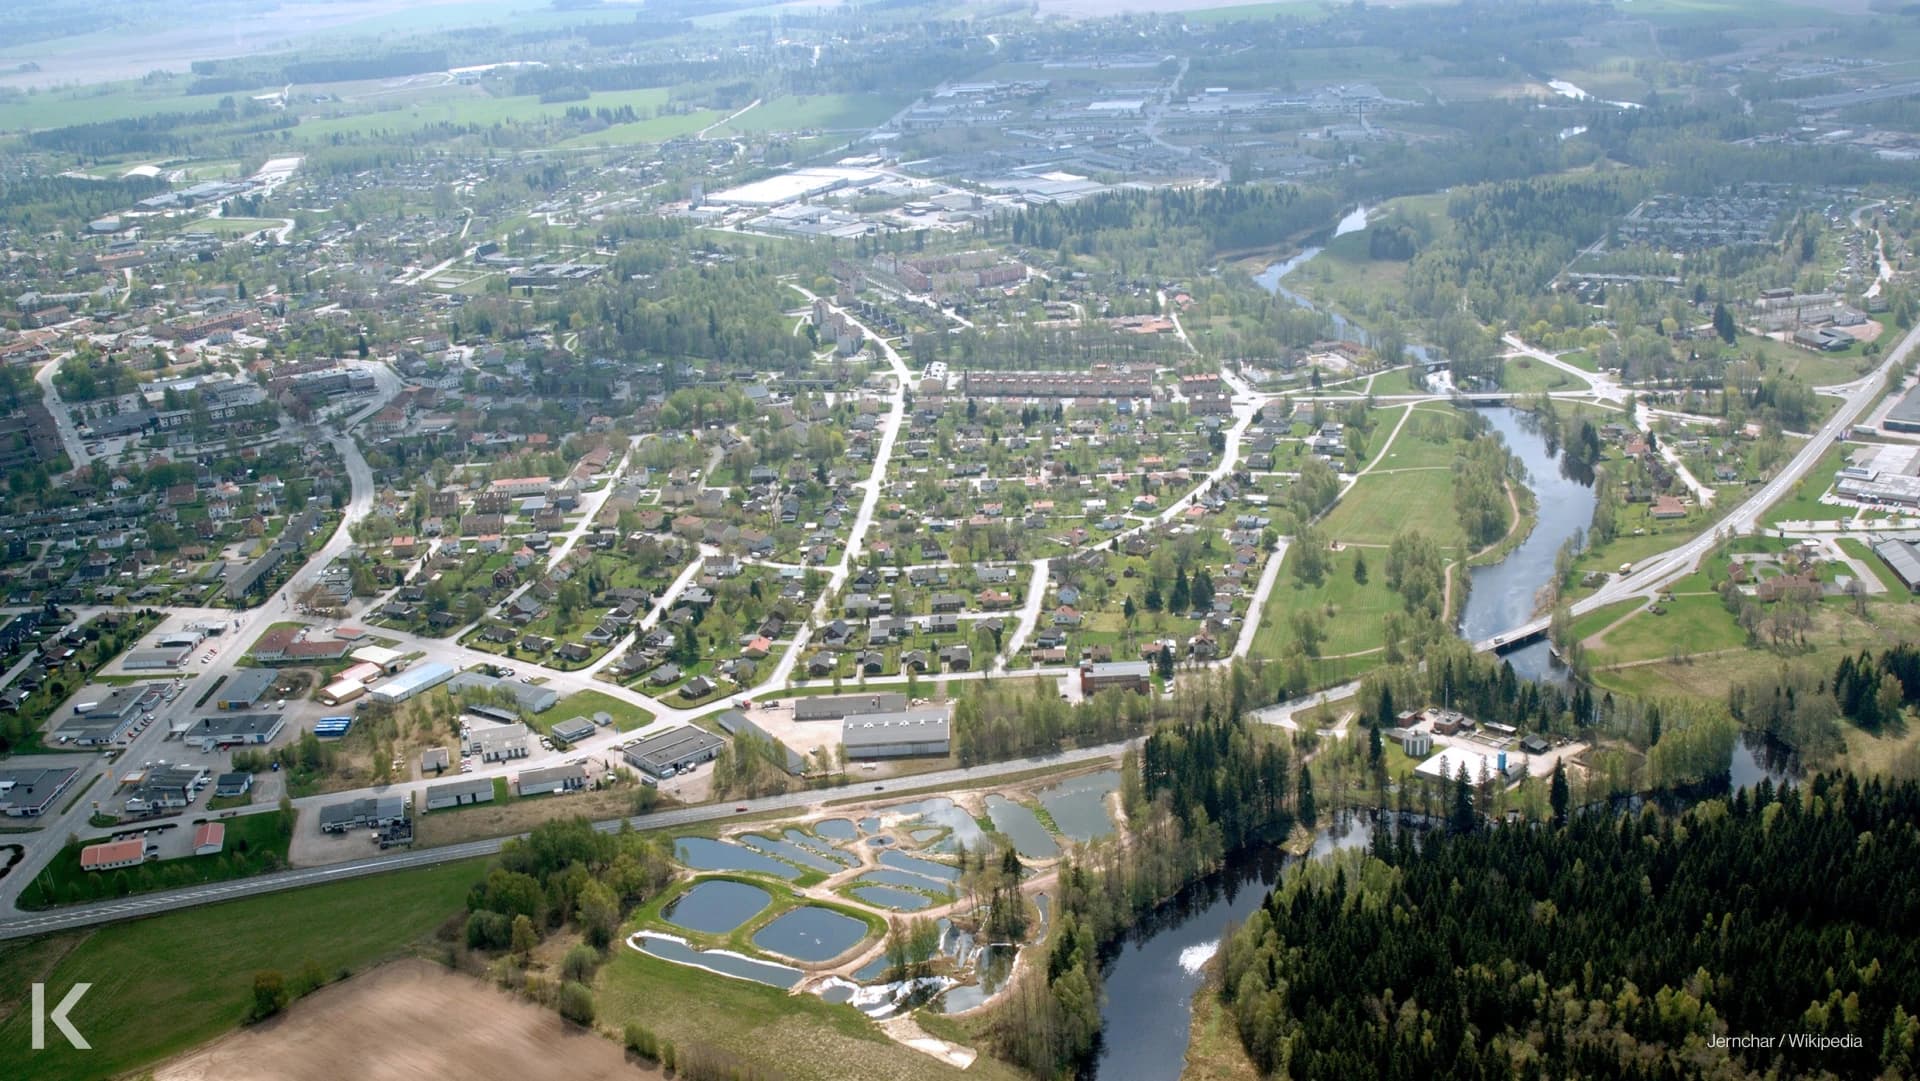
[(209, 833), (236, 725), (108, 853), (418, 678), (574, 729), (1907, 409), (1120, 670), (490, 740), (672, 746), (247, 685), (379, 655), (1901, 557), (846, 705), (467, 787), (734, 722), (910, 726), (549, 774)]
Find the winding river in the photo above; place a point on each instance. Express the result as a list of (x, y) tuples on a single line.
[(1151, 978)]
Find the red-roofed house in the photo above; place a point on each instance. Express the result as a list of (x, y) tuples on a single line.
[(209, 838)]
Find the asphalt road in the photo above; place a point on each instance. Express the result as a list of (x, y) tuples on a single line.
[(147, 904)]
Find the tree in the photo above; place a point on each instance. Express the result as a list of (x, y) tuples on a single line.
[(1723, 323), (1359, 567), (1304, 805), (1462, 819), (524, 937), (1559, 797), (1375, 752), (1165, 662)]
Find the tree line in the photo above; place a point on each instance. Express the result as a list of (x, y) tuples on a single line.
[(1614, 946)]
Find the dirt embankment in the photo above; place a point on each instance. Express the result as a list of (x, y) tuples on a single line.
[(409, 1021)]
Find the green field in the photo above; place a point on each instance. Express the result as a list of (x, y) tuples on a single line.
[(254, 844), (1693, 623), (626, 716), (843, 111), (1382, 505), (1526, 375), (1803, 502), (164, 984), (1356, 610), (804, 1037), (469, 105)]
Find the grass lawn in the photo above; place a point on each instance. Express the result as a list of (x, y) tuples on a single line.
[(1382, 505), (1583, 360), (167, 983), (1214, 1051), (804, 1037), (1894, 751), (1859, 550), (1357, 609), (1600, 618), (1526, 375), (232, 227), (1693, 623), (254, 845), (626, 715), (792, 112), (1803, 502)]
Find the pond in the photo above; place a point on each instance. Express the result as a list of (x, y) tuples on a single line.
[(1079, 806), (705, 854), (814, 844), (716, 906), (1022, 827), (924, 868), (888, 897), (811, 933), (836, 829), (905, 880), (722, 962), (992, 967), (943, 812), (790, 852)]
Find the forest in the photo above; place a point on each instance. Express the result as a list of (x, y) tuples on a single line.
[(1612, 946)]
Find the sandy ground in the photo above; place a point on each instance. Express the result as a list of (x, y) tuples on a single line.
[(408, 1021)]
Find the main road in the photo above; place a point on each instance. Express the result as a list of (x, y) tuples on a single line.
[(146, 904)]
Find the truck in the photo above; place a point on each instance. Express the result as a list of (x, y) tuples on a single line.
[(85, 707), (1626, 569)]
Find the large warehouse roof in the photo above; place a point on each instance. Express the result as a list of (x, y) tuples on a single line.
[(909, 726)]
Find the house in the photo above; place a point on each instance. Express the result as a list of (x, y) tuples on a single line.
[(1666, 506), (209, 838), (698, 687), (232, 785), (435, 760), (956, 658), (573, 729), (109, 855)]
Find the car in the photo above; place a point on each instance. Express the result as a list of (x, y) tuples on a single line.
[(879, 788), (737, 810)]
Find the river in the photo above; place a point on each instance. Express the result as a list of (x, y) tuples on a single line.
[(1151, 980)]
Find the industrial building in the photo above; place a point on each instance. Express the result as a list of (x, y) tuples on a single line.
[(529, 698), (103, 719), (668, 753), (234, 729), (907, 734), (498, 743), (1902, 559), (366, 813), (385, 660), (734, 723), (1905, 414), (147, 660), (536, 782), (166, 788), (1481, 766), (573, 729), (460, 793), (26, 792), (416, 680), (846, 705), (243, 689)]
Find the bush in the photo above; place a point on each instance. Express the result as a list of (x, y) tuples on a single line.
[(641, 1041), (489, 931), (269, 995), (580, 963), (576, 1003)]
